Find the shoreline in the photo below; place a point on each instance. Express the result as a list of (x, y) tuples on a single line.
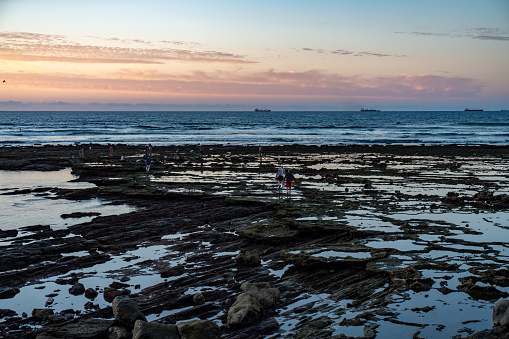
[(351, 200)]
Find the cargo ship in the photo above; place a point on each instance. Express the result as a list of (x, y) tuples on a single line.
[(473, 109), (369, 110), (262, 110)]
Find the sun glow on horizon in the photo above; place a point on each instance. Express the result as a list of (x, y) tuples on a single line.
[(317, 61)]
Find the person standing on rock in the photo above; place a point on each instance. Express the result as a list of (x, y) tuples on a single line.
[(289, 179), (260, 152), (148, 160), (111, 149), (280, 177), (81, 153)]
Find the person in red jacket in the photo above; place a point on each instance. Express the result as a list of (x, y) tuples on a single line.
[(289, 178)]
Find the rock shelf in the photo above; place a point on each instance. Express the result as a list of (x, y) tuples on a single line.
[(372, 241)]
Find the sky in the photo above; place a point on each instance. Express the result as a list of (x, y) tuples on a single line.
[(331, 55)]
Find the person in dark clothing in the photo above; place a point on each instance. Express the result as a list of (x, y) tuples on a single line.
[(289, 179)]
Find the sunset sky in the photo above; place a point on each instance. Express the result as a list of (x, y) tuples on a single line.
[(237, 55)]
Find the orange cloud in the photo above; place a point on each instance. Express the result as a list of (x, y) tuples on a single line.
[(267, 83)]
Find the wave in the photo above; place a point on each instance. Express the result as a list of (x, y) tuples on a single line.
[(484, 123), (317, 127), (147, 127)]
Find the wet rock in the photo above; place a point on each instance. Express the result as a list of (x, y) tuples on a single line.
[(7, 313), (86, 328), (172, 271), (90, 305), (246, 310), (118, 285), (90, 293), (501, 313), (42, 313), (118, 332), (146, 330), (111, 293), (77, 289), (79, 215), (49, 301), (248, 259), (315, 329), (249, 306), (126, 311), (483, 292), (370, 330), (8, 292), (271, 233), (199, 329), (263, 292), (8, 233), (57, 317), (198, 299), (420, 285)]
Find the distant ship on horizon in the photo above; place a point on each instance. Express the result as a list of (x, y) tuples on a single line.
[(369, 110), (262, 110), (473, 109)]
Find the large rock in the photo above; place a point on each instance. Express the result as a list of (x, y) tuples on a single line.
[(8, 292), (246, 310), (118, 332), (501, 313), (199, 329), (86, 328), (126, 311), (111, 293), (146, 330), (248, 259), (42, 313), (90, 293), (77, 289), (263, 291), (249, 306), (198, 299)]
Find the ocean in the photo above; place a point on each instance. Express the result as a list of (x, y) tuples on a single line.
[(254, 128)]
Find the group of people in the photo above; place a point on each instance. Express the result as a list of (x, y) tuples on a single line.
[(285, 178)]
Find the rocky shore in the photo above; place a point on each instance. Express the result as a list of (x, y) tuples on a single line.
[(370, 243)]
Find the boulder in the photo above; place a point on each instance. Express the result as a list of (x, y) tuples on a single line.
[(8, 292), (90, 293), (5, 312), (501, 313), (42, 313), (263, 291), (146, 330), (77, 289), (126, 311), (248, 259), (86, 328), (199, 329), (118, 332), (111, 293), (198, 299), (246, 310), (249, 306)]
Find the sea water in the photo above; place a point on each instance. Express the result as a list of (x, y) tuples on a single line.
[(253, 128), (37, 204)]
